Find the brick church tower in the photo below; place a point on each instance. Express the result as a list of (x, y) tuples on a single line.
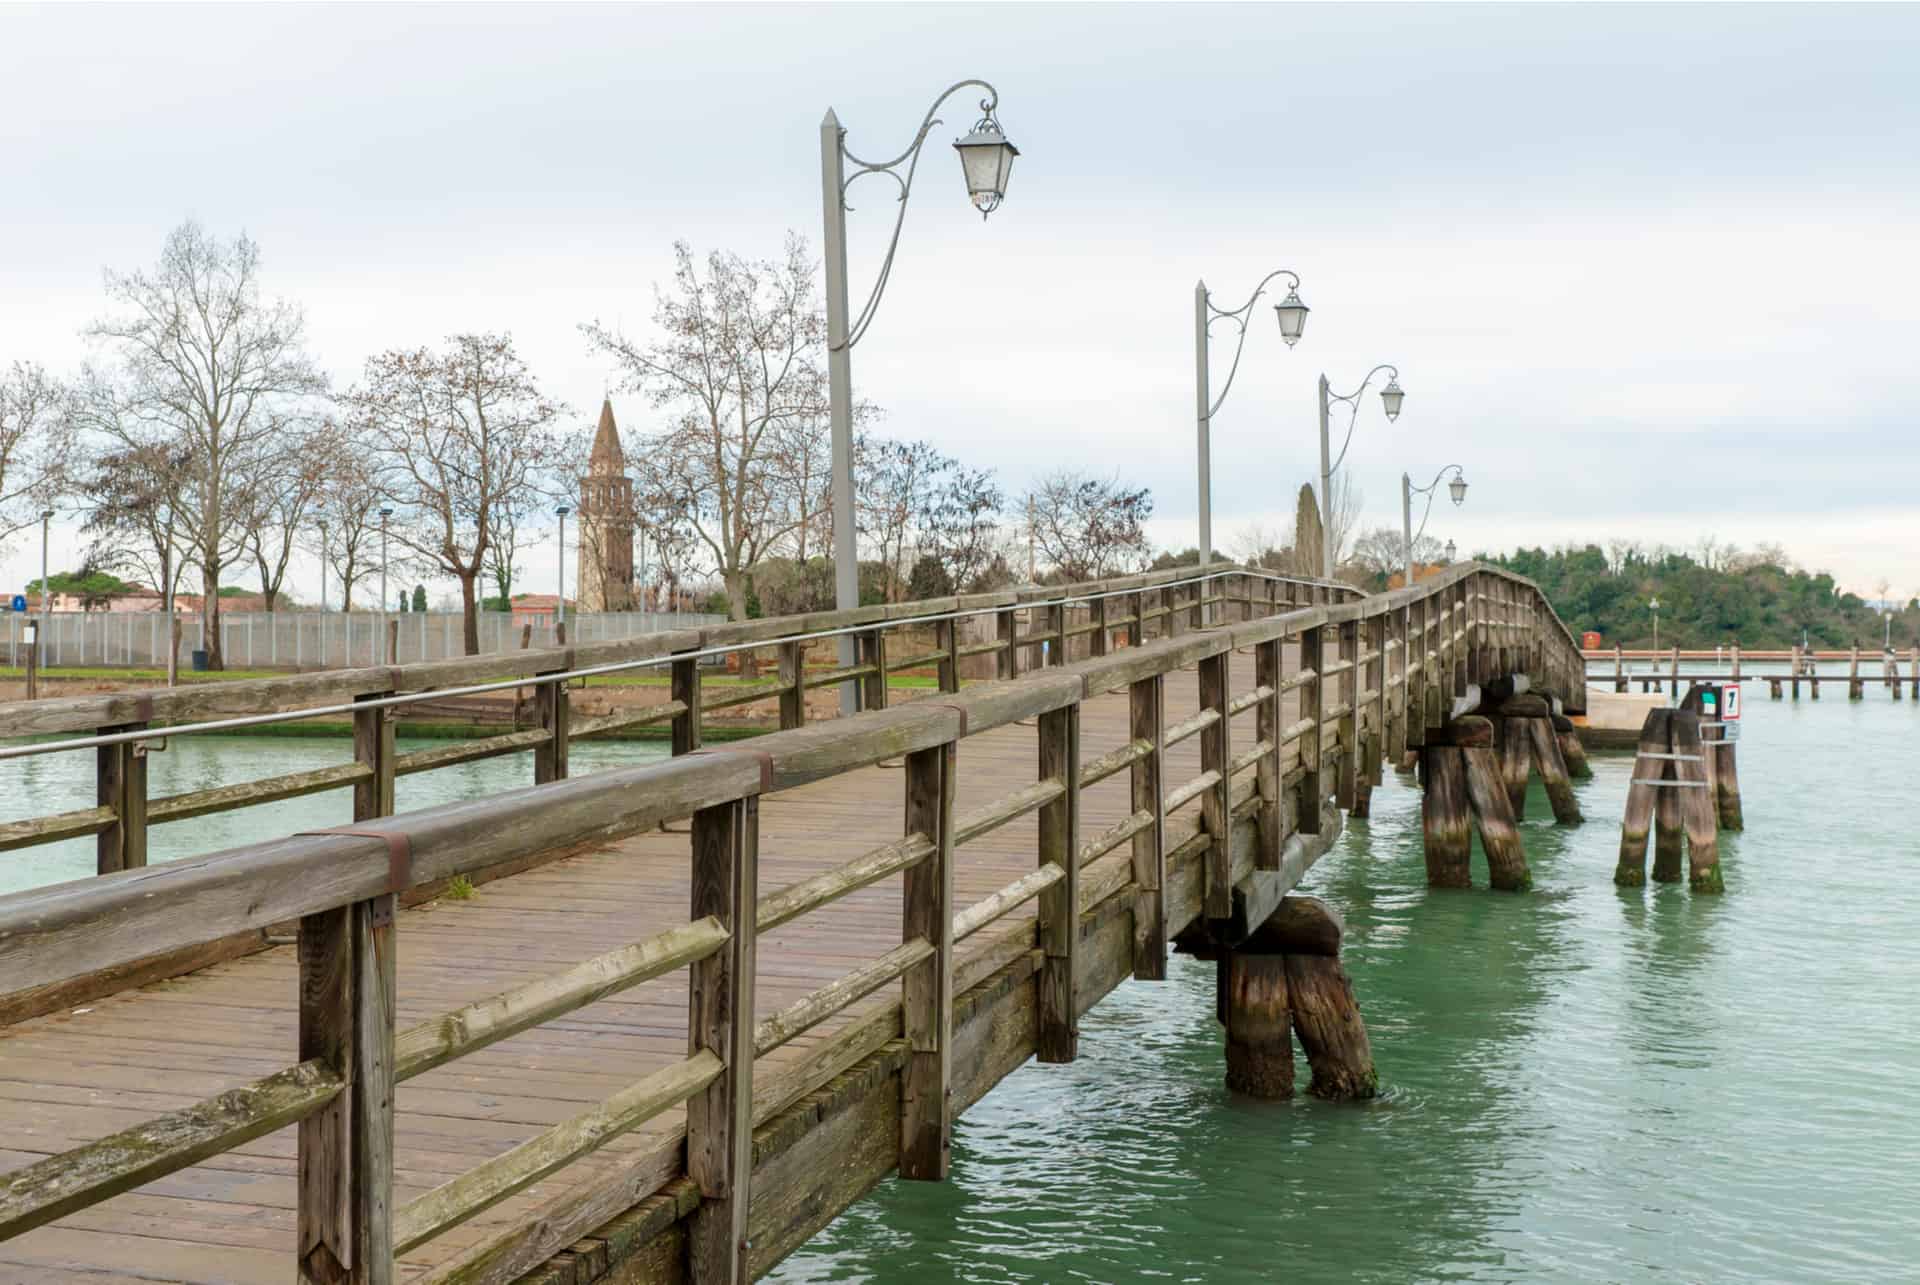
[(606, 523)]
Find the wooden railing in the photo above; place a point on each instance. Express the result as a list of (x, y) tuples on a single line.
[(124, 727), (1371, 676)]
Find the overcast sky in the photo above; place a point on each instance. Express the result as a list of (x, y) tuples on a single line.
[(1648, 272)]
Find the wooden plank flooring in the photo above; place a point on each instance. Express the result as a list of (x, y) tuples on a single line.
[(72, 1077)]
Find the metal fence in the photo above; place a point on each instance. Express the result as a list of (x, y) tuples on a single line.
[(309, 639)]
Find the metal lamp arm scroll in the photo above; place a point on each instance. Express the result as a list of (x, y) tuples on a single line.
[(1429, 490), (911, 158), (1352, 400), (1240, 316)]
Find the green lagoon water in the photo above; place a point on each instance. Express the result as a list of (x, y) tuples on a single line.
[(1582, 1083)]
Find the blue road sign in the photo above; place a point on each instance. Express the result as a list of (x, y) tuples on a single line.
[(19, 602)]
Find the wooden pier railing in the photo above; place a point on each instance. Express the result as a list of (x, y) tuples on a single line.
[(1372, 676)]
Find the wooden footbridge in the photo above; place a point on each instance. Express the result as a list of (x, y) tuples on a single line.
[(695, 1008)]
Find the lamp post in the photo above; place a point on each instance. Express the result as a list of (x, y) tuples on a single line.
[(560, 579), (1653, 605), (323, 566), (1456, 488), (46, 589), (986, 161), (385, 513), (1292, 315), (1390, 398)]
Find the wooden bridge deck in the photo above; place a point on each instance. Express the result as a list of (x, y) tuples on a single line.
[(78, 1075)]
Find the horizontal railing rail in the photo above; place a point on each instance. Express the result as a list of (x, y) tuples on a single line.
[(1368, 676)]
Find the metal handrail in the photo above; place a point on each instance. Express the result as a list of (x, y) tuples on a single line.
[(591, 671)]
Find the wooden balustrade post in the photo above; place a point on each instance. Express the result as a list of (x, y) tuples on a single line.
[(1346, 786), (793, 678), (1097, 640), (1463, 654), (686, 690), (1171, 625), (1382, 708), (373, 747), (120, 783), (1057, 1035), (1216, 805), (1148, 723), (1273, 813), (927, 989), (725, 879), (946, 636), (344, 1233), (1400, 633), (872, 648), (1136, 628), (1006, 631), (552, 706), (1197, 611), (1419, 646), (1313, 783), (1056, 627)]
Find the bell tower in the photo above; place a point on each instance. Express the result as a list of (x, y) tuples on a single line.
[(606, 523)]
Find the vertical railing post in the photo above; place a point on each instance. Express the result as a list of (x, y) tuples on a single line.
[(1619, 669), (344, 1232), (1272, 815), (946, 635), (1198, 613), (686, 691), (1097, 613), (1148, 723), (1346, 786), (1057, 1038), (1401, 681), (1382, 666), (120, 783), (551, 705), (872, 649), (1419, 648), (1055, 614), (725, 882), (793, 691), (1006, 631), (373, 747), (1216, 805), (927, 993), (1137, 627), (1313, 784)]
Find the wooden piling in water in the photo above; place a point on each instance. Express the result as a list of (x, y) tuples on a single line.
[(1326, 1017), (1259, 1025), (1572, 752), (1447, 825), (1631, 869), (1669, 830), (1499, 836), (1553, 771), (1694, 795), (1516, 761), (1854, 690)]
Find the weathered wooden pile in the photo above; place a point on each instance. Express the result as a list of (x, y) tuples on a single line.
[(1685, 789)]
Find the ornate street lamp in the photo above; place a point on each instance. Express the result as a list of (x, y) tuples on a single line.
[(1292, 316), (1452, 552), (986, 163), (1457, 488), (1390, 398)]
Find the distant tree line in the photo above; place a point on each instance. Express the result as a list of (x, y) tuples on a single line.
[(1715, 595)]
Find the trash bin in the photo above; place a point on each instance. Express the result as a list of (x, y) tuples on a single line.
[(199, 661)]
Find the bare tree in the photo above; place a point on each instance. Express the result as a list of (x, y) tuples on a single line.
[(1345, 509), (283, 490), (1259, 545), (1087, 528), (35, 437), (899, 493), (737, 361), (1382, 553), (964, 532), (349, 504), (203, 366), (133, 513), (462, 435)]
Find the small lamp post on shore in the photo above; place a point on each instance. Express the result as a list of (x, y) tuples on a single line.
[(560, 579), (1457, 488), (380, 642), (1653, 605), (1391, 398)]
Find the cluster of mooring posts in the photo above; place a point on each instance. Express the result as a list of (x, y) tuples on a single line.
[(1802, 666), (1685, 789)]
